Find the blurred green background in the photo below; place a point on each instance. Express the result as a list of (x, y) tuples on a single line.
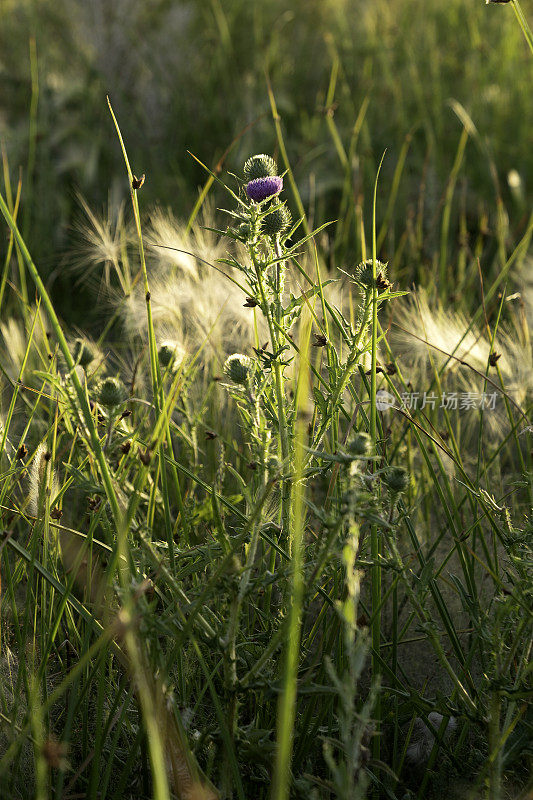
[(193, 75)]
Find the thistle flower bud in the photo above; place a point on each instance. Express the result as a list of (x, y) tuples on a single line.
[(364, 273), (110, 392), (83, 352), (276, 222), (274, 465), (260, 166), (166, 354), (361, 444), (244, 230), (238, 368), (262, 188), (235, 565), (396, 478)]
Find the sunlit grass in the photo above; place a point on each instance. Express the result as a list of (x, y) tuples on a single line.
[(266, 483)]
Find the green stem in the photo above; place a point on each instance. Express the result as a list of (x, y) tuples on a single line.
[(495, 747), (280, 392), (522, 21), (375, 544), (110, 423), (446, 215), (155, 372), (287, 700), (351, 363), (32, 147), (230, 655)]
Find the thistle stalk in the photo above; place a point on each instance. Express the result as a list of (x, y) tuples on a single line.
[(110, 424), (351, 364), (375, 545), (278, 381), (280, 393)]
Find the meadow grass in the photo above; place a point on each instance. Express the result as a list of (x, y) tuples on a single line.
[(266, 507)]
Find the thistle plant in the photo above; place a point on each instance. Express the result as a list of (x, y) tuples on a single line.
[(239, 369), (262, 225), (396, 479), (111, 392), (83, 352), (167, 355)]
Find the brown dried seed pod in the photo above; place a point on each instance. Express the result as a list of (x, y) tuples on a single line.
[(22, 452), (145, 457)]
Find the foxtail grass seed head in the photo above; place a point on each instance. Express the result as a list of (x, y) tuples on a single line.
[(277, 222), (361, 444), (421, 320), (111, 392), (40, 474), (83, 352), (262, 188), (260, 166), (396, 479), (238, 368)]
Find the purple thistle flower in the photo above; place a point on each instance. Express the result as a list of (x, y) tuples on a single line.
[(262, 188)]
